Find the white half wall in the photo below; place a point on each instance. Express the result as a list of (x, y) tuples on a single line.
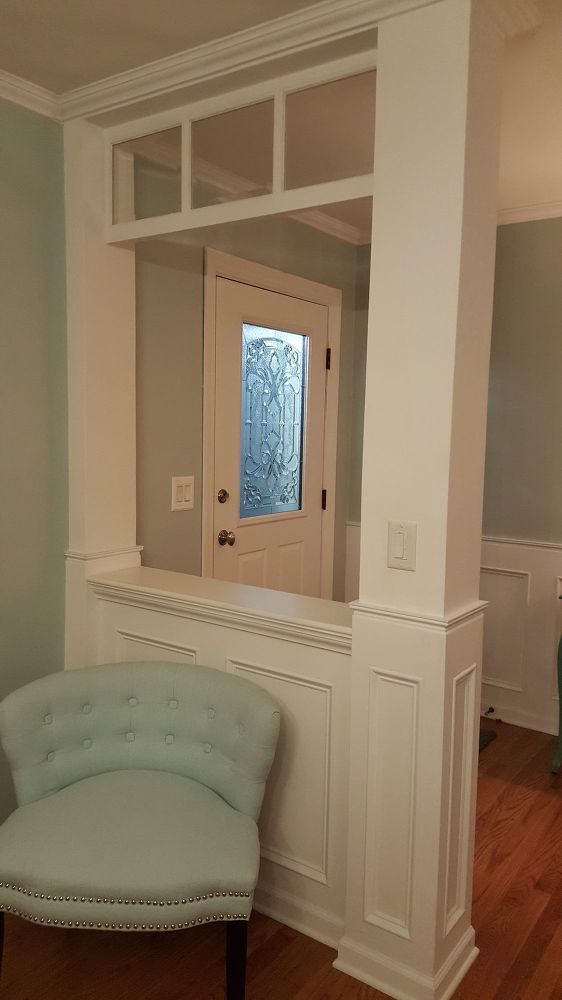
[(146, 614)]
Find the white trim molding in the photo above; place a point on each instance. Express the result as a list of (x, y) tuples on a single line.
[(281, 38), (416, 618), (29, 95), (324, 23), (116, 588), (106, 554), (493, 540), (530, 213)]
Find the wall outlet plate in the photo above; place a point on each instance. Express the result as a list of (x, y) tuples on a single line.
[(182, 492)]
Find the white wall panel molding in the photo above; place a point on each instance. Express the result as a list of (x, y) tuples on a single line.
[(461, 775), (493, 540), (521, 580), (286, 817), (137, 646), (29, 95), (391, 819), (507, 592), (289, 630), (424, 621), (304, 815)]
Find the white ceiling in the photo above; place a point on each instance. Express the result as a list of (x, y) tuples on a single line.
[(63, 44)]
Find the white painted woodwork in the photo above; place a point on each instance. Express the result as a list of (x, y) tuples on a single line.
[(290, 556), (298, 649), (523, 623), (520, 581), (101, 384), (417, 636)]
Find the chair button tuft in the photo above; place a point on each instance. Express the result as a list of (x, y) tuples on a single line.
[(130, 737), (173, 703), (86, 744), (51, 755), (207, 747), (211, 713), (133, 701), (241, 728), (47, 719), (170, 738), (86, 709)]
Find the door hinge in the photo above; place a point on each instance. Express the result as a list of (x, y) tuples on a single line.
[(323, 499), (328, 358)]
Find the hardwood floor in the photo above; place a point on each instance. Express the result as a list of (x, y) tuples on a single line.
[(517, 915)]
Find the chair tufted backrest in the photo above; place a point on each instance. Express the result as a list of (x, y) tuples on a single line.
[(202, 723)]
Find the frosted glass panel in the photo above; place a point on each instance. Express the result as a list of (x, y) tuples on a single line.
[(330, 131), (274, 372), (147, 176), (232, 155)]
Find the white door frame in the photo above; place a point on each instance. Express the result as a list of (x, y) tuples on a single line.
[(223, 265)]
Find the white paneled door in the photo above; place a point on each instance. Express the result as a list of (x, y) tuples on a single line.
[(270, 408)]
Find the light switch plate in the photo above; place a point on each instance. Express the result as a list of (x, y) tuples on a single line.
[(402, 538), (182, 492)]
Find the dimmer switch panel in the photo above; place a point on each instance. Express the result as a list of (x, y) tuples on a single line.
[(182, 492), (402, 537)]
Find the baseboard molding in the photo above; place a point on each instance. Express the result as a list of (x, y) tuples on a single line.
[(519, 717), (301, 916), (400, 981)]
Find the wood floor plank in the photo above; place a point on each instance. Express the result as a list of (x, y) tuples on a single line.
[(517, 917)]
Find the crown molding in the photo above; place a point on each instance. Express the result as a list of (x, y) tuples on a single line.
[(326, 22), (530, 213), (29, 95)]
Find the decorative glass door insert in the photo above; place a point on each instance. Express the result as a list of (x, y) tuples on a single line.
[(274, 378)]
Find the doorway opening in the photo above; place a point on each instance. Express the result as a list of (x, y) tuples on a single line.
[(296, 260)]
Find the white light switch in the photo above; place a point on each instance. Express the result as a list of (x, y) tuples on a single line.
[(402, 537), (182, 492)]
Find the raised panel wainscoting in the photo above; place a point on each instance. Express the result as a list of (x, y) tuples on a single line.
[(520, 581), (299, 650)]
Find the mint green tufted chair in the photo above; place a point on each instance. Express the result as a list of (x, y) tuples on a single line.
[(138, 787)]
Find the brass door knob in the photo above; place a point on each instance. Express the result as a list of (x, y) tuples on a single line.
[(222, 496), (225, 537)]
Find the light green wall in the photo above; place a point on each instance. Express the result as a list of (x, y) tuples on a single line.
[(33, 485), (169, 372), (523, 481)]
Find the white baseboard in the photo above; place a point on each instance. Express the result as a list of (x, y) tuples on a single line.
[(298, 914), (520, 717), (402, 982)]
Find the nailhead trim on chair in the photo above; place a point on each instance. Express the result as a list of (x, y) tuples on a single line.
[(120, 927), (107, 899)]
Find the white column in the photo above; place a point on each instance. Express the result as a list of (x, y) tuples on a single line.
[(417, 635), (101, 386)]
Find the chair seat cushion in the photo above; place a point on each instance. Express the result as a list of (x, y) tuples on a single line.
[(129, 850)]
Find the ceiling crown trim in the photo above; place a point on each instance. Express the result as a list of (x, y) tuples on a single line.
[(326, 22), (29, 95)]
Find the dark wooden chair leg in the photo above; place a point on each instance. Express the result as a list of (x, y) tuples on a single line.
[(236, 944), (1, 940)]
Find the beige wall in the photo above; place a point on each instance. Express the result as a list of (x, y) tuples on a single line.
[(169, 372), (523, 484)]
